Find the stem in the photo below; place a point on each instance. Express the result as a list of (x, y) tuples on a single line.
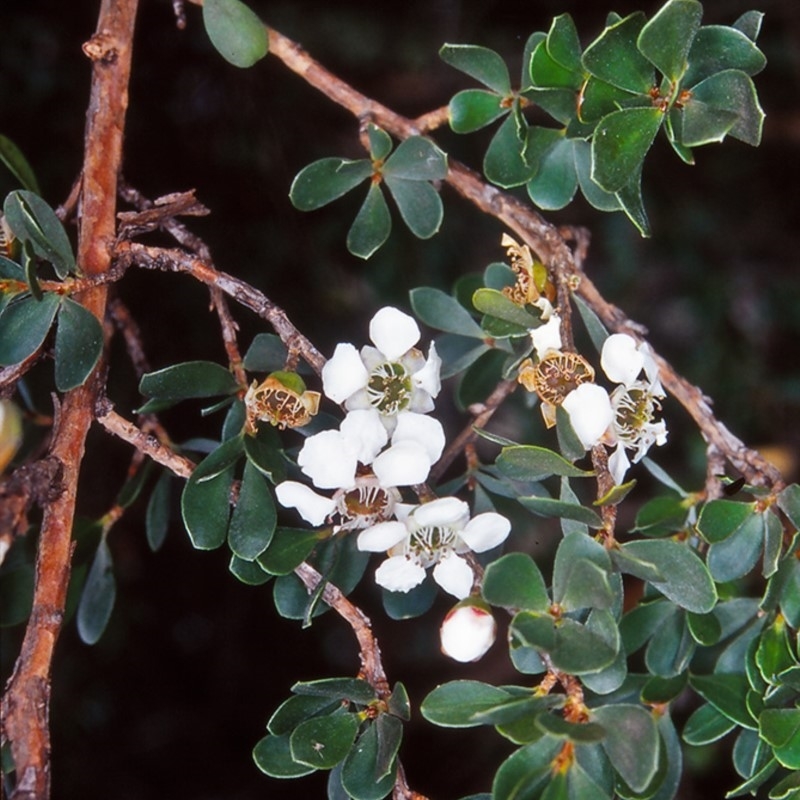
[(26, 702)]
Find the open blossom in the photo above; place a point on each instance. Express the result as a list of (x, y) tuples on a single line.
[(468, 631), (338, 459), (392, 378), (626, 418), (434, 534)]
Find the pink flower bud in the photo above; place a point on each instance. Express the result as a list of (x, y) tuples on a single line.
[(467, 631)]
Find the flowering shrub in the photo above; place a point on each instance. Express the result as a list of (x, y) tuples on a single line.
[(687, 595)]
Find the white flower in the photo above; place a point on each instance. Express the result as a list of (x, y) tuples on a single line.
[(393, 377), (467, 631), (547, 336), (590, 413), (623, 359), (434, 535)]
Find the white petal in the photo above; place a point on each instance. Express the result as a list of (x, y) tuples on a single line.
[(467, 633), (366, 432), (393, 332), (621, 358), (618, 464), (313, 507), (651, 371), (399, 574), (446, 511), (428, 378), (548, 336), (454, 575), (344, 374), (422, 429), (329, 459), (382, 536), (403, 464), (486, 531), (590, 413)]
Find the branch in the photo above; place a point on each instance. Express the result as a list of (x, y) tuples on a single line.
[(26, 702)]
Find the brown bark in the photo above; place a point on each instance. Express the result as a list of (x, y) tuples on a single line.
[(27, 699)]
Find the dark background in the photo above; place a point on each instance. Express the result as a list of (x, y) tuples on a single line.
[(171, 701)]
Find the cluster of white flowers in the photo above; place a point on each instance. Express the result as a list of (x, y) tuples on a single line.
[(386, 441), (624, 418)]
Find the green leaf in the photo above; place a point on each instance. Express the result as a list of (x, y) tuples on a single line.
[(547, 73), (774, 653), (372, 224), (563, 44), (720, 518), (717, 48), (455, 704), (473, 109), (706, 629), (641, 622), (254, 517), (496, 304), (780, 727), (586, 649), (663, 690), (686, 580), (322, 742), (620, 144), (531, 463), (380, 143), (667, 38), (288, 549), (419, 204), (527, 771), (581, 573), (480, 63), (706, 725), (97, 597), (726, 692), (410, 604), (205, 505), (731, 92), (787, 788), (556, 179), (359, 769), (596, 197), (661, 516), (267, 353), (582, 733), (548, 507), (236, 32), (514, 581), (416, 159), (354, 690), (389, 733), (773, 543), (750, 24), (789, 503), (614, 58), (157, 516), (630, 200), (18, 165), (442, 311), (631, 742), (248, 572), (171, 385), (24, 324), (79, 344), (273, 756), (32, 220), (325, 180), (297, 709), (737, 555), (671, 647), (504, 163)]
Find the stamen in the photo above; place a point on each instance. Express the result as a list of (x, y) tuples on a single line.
[(389, 388)]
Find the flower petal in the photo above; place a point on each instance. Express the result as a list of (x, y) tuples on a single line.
[(393, 332), (618, 464), (454, 575), (344, 374), (486, 531), (381, 537), (548, 336), (423, 430), (329, 459), (446, 511), (590, 413), (313, 507), (428, 378), (365, 431), (399, 574), (467, 633), (403, 464), (621, 358)]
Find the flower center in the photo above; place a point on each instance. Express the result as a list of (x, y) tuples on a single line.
[(427, 545), (634, 409), (389, 388), (367, 503), (556, 375)]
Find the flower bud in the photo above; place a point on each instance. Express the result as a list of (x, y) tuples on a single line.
[(468, 630)]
